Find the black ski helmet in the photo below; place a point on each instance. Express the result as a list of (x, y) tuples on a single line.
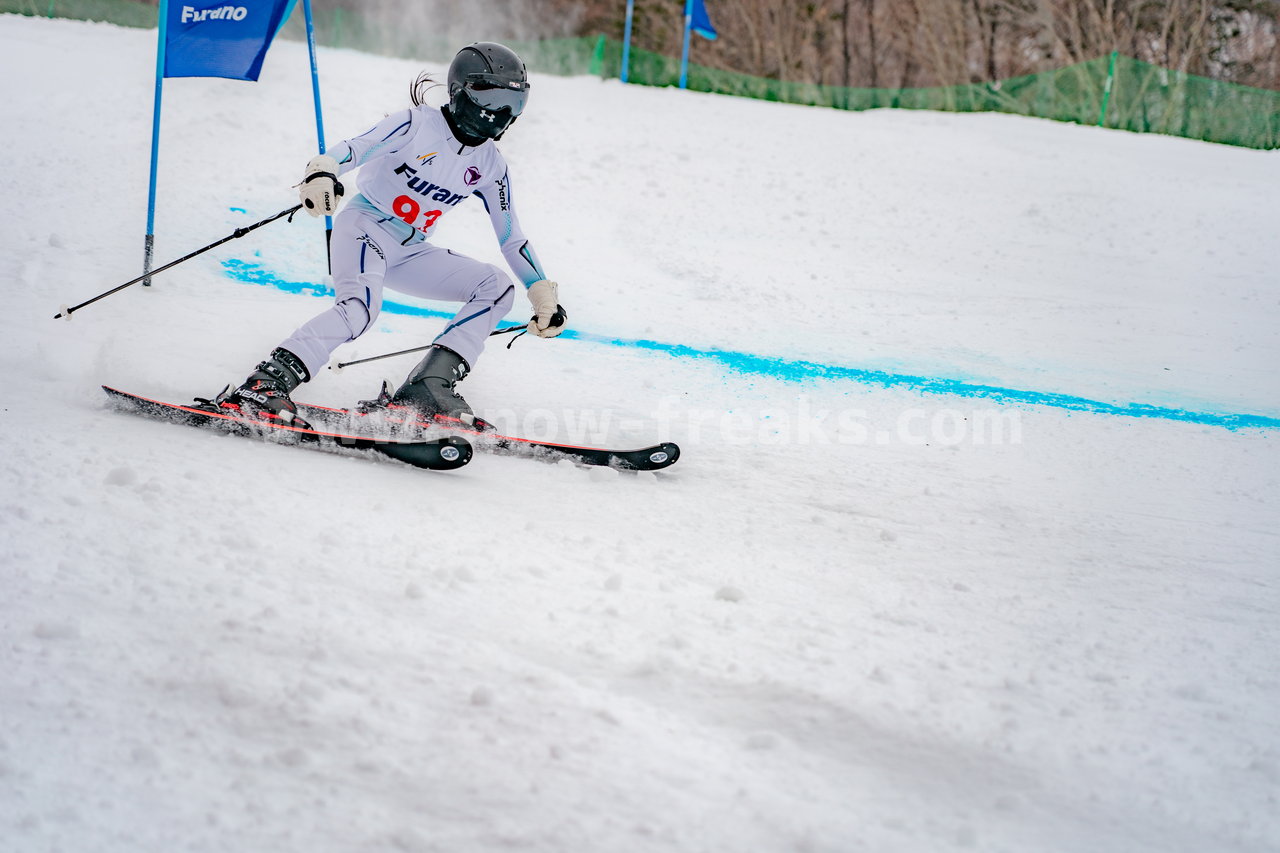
[(488, 87)]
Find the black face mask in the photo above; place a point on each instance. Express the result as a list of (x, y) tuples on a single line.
[(459, 133), (478, 121)]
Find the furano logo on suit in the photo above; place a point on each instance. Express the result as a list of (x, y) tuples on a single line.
[(191, 15)]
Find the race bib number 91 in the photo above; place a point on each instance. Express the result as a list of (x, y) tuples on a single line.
[(408, 209)]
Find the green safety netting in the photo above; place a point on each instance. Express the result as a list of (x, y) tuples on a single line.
[(1143, 98), (122, 12)]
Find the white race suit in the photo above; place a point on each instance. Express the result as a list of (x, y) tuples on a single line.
[(414, 171)]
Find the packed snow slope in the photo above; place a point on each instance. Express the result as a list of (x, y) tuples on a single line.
[(862, 613)]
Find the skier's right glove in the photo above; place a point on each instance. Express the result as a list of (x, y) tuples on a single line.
[(548, 315), (320, 189)]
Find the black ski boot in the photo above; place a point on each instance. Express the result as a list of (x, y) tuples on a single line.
[(266, 392), (429, 390)]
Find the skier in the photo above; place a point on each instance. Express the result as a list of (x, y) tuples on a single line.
[(418, 164)]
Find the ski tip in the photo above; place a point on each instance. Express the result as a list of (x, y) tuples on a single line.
[(654, 458), (663, 455)]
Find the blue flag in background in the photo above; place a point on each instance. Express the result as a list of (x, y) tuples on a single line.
[(702, 21), (220, 38)]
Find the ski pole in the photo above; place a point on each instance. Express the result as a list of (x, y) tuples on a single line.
[(337, 367), (239, 232)]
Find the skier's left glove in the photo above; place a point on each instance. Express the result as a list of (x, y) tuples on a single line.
[(549, 315), (320, 189)]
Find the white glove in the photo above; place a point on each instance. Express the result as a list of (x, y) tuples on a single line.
[(548, 315), (320, 189)]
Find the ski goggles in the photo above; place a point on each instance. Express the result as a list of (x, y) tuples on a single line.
[(494, 93)]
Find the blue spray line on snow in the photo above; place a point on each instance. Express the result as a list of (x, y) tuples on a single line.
[(796, 370)]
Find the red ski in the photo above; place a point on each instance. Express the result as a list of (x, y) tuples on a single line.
[(444, 453)]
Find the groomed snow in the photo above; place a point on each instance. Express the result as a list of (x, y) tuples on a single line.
[(917, 623)]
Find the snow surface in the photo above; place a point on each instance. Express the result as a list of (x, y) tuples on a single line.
[(925, 622)]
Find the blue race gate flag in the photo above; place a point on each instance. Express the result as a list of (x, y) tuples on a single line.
[(215, 38), (701, 23), (697, 21), (222, 38)]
